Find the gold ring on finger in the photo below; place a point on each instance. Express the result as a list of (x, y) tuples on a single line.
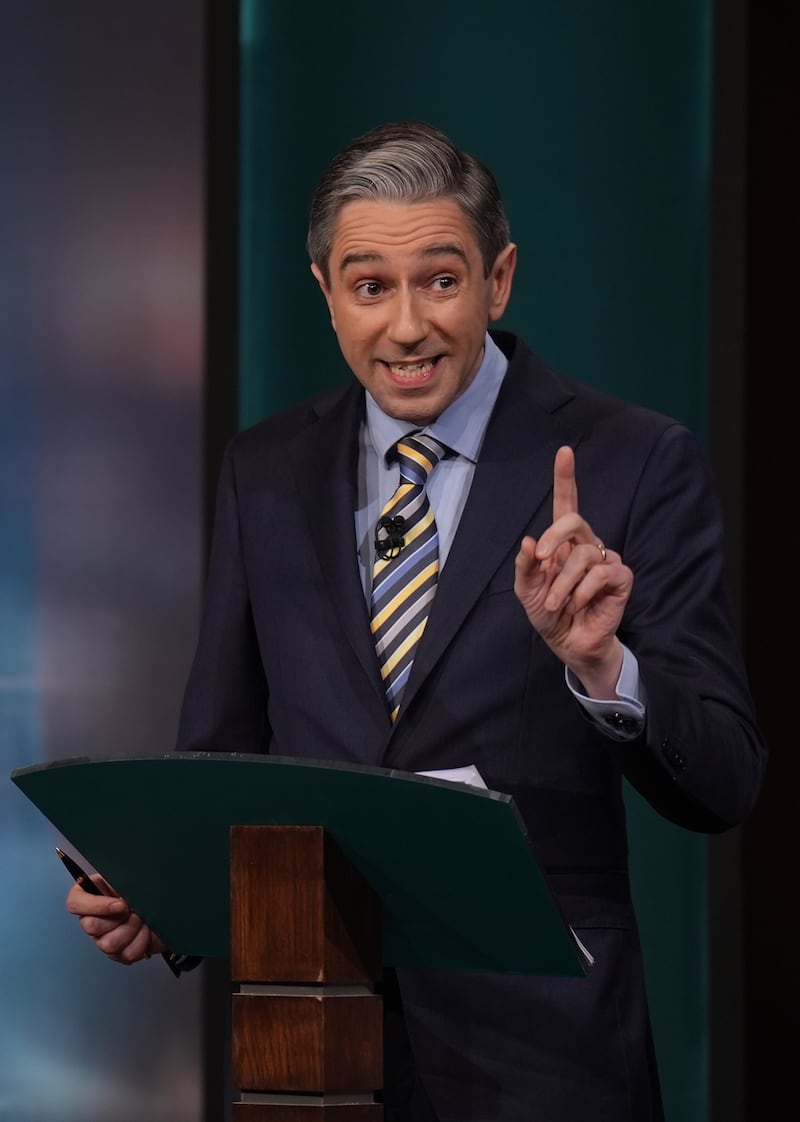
[(603, 551)]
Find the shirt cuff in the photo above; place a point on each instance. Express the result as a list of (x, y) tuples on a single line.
[(624, 717)]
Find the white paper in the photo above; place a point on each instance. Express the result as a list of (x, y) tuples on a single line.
[(582, 945), (469, 775)]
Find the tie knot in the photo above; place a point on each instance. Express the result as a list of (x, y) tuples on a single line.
[(418, 454)]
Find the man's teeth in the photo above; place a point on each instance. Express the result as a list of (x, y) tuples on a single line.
[(411, 368)]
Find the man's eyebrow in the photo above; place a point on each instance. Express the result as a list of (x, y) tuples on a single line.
[(358, 259), (446, 250)]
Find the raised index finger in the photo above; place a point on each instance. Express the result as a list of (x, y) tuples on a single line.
[(565, 489)]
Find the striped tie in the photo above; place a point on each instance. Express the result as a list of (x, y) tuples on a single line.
[(407, 566)]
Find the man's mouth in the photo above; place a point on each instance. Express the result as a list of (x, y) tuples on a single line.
[(412, 370)]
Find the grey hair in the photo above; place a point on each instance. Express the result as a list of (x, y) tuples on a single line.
[(407, 162)]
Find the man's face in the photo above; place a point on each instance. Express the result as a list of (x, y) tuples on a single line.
[(409, 302)]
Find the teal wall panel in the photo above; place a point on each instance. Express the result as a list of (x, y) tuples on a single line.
[(595, 117)]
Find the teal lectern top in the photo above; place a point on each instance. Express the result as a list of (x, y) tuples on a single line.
[(452, 865)]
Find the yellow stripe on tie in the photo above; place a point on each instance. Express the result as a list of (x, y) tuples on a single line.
[(403, 596), (410, 642)]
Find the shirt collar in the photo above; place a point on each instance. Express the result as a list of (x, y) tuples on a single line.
[(462, 425)]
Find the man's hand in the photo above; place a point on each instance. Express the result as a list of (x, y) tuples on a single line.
[(118, 932), (574, 590)]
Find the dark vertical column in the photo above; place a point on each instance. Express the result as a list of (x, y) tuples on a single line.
[(222, 158), (221, 397), (772, 841), (727, 423)]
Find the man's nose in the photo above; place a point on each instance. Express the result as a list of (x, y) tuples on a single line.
[(408, 322)]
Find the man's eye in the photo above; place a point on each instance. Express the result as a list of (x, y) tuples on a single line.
[(370, 288), (444, 284)]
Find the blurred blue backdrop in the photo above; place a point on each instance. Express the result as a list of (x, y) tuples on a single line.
[(101, 197)]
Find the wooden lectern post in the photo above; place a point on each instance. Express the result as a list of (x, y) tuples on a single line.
[(306, 952)]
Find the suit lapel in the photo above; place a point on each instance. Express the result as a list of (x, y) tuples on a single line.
[(324, 462)]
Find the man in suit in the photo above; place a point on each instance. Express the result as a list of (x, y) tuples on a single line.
[(574, 628)]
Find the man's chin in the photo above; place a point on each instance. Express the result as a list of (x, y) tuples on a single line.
[(418, 406)]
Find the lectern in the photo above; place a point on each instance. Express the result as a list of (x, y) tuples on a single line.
[(310, 876)]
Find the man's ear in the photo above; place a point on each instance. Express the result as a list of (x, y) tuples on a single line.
[(500, 280), (326, 292)]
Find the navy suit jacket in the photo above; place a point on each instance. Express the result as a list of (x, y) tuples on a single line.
[(285, 663)]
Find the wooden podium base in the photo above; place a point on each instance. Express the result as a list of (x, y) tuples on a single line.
[(306, 942)]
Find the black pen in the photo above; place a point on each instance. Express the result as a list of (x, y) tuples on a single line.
[(79, 875), (178, 963)]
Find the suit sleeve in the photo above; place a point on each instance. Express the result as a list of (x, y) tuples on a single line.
[(225, 703), (701, 760)]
